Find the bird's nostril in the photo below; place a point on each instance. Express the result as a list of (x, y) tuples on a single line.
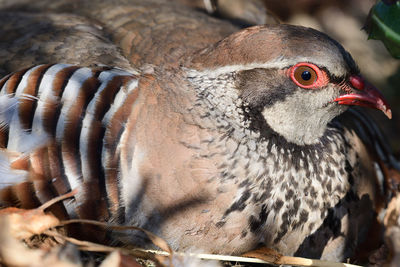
[(357, 82)]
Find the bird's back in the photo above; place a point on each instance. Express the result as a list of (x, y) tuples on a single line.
[(156, 32)]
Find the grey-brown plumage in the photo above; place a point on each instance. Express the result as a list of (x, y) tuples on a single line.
[(221, 148), (145, 31)]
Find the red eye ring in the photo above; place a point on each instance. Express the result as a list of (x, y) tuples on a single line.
[(308, 76)]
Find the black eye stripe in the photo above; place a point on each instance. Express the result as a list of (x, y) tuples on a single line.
[(333, 78)]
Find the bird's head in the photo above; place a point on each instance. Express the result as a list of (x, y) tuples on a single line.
[(297, 78)]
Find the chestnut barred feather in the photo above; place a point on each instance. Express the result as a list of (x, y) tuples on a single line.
[(60, 129)]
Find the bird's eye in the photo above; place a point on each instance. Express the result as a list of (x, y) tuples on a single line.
[(305, 75)]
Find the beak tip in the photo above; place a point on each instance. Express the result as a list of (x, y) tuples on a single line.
[(388, 113)]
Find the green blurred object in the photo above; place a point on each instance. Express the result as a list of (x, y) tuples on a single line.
[(383, 24)]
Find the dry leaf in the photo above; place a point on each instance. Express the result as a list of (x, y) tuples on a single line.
[(14, 253), (393, 212), (26, 223)]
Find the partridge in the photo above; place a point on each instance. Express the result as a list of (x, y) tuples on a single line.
[(237, 145)]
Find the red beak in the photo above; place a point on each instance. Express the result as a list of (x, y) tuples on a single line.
[(366, 95)]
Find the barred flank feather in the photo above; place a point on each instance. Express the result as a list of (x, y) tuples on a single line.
[(60, 127)]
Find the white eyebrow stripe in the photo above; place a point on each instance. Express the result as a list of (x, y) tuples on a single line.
[(278, 63)]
